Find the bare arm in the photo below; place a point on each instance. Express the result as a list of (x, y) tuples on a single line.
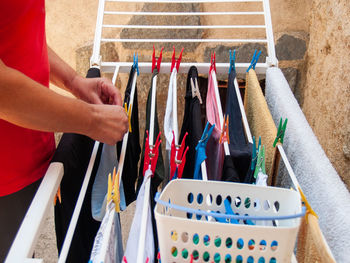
[(29, 104)]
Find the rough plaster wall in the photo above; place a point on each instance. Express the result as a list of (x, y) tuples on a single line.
[(326, 98)]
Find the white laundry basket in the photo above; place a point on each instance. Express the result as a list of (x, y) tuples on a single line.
[(185, 232)]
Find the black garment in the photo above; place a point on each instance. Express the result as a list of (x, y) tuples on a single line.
[(192, 124), (159, 173), (240, 149), (14, 207), (74, 151), (133, 149), (229, 171)]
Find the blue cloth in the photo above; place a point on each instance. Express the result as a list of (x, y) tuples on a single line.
[(200, 151), (99, 190)]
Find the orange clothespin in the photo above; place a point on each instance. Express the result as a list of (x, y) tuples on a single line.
[(224, 132), (58, 195), (128, 112)]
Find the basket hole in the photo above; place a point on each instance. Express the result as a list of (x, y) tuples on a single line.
[(189, 215), (247, 202), (267, 205), (251, 244), (240, 243), (195, 239), (239, 259), (209, 199), (195, 255), (273, 260), (229, 199), (276, 206), (184, 253), (262, 245), (250, 259), (228, 242), (206, 256), (199, 199), (257, 204), (173, 235), (174, 252), (184, 237), (190, 198), (206, 240), (228, 258), (218, 200), (198, 216), (261, 260), (217, 258), (274, 245), (217, 241), (238, 201)]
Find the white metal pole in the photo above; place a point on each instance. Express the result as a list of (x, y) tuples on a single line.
[(175, 123), (272, 60), (95, 60)]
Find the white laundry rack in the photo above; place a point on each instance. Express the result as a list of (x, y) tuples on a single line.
[(24, 244)]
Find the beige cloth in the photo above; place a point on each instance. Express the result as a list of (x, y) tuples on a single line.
[(259, 118), (312, 247)]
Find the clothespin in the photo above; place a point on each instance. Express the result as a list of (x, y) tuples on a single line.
[(280, 132), (254, 60), (158, 257), (128, 113), (212, 62), (195, 90), (58, 196), (309, 209), (156, 63), (224, 137), (147, 260), (151, 154), (260, 164), (124, 260), (113, 193), (232, 61), (174, 62), (177, 157), (135, 64), (191, 258)]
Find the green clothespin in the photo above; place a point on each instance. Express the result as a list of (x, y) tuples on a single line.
[(260, 164), (255, 152), (280, 132)]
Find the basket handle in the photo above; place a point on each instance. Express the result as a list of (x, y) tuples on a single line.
[(225, 216)]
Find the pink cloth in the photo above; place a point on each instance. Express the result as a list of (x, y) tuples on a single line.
[(214, 150)]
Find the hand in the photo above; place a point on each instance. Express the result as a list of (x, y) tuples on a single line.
[(96, 90), (109, 124)]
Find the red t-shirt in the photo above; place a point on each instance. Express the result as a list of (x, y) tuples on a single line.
[(24, 154)]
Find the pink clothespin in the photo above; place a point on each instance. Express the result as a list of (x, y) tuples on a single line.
[(124, 260), (212, 62)]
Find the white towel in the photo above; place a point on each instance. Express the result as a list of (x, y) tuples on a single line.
[(320, 182)]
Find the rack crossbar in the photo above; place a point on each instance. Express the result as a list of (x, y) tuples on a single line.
[(184, 1), (182, 13), (156, 40), (186, 26)]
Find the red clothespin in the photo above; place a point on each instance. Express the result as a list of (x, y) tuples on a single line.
[(191, 258), (151, 154), (177, 157), (156, 63), (174, 62), (147, 260), (224, 137), (158, 257), (124, 260), (212, 62)]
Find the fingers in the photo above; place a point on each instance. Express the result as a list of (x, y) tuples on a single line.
[(110, 92)]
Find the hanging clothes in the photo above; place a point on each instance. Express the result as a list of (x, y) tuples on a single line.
[(133, 149), (134, 234), (170, 123), (240, 149), (108, 244), (259, 117), (159, 173), (214, 150), (74, 151), (191, 124)]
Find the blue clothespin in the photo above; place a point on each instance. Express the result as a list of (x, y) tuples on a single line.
[(254, 60), (232, 61), (135, 65)]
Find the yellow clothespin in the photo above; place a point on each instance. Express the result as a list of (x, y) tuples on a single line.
[(128, 112), (58, 195), (224, 132), (110, 188), (116, 193), (309, 210)]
